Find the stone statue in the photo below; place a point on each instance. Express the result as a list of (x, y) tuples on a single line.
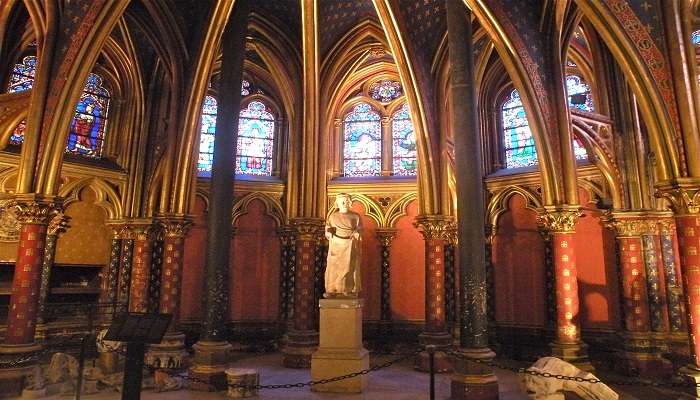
[(343, 231)]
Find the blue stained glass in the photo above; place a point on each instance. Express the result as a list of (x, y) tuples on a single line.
[(404, 160), (579, 151), (695, 37), (362, 151), (256, 132), (206, 136), (22, 79), (579, 93), (385, 90), (517, 138), (87, 130), (245, 88)]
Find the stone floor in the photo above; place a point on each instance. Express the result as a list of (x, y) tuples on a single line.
[(398, 382)]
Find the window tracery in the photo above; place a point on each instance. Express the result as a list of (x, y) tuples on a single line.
[(579, 93), (385, 91), (518, 142), (405, 161)]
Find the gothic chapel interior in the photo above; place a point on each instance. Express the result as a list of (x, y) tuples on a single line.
[(527, 173)]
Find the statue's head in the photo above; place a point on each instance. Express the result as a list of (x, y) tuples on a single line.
[(343, 201)]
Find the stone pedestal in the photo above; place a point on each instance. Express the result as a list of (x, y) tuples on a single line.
[(471, 380), (340, 350), (210, 362), (573, 353), (169, 353)]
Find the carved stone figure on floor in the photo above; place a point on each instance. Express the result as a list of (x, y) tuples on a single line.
[(343, 231)]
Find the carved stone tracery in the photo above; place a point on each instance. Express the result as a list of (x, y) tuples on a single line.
[(561, 220)]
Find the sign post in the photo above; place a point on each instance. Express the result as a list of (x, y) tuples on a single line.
[(137, 330)]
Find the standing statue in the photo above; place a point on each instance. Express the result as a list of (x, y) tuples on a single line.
[(343, 230)]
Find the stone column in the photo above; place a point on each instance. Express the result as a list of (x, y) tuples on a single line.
[(684, 196), (34, 213), (127, 252), (302, 338), (637, 261), (435, 230), (450, 280), (141, 264), (387, 147), (170, 352), (286, 291), (110, 282), (385, 237), (560, 222), (674, 291), (212, 350), (471, 380), (57, 225)]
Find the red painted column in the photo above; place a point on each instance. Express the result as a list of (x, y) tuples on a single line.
[(141, 266), (34, 215), (171, 279), (567, 344), (436, 230), (634, 293), (302, 338), (688, 227)]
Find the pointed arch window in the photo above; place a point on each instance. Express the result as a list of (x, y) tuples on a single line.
[(256, 132), (362, 150), (256, 138), (518, 142), (405, 160), (579, 93), (87, 130)]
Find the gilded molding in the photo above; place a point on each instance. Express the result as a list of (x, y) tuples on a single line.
[(287, 235), (631, 227), (385, 236), (175, 226), (667, 226), (33, 209), (58, 224), (308, 229), (435, 226), (683, 195), (142, 229), (559, 220)]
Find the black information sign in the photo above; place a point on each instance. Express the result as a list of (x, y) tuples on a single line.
[(138, 327)]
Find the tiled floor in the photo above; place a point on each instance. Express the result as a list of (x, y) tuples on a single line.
[(398, 382)]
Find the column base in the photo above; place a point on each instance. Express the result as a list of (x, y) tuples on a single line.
[(691, 374), (12, 379), (326, 363), (210, 361), (442, 342), (169, 353), (642, 355), (573, 353), (474, 381), (298, 347)]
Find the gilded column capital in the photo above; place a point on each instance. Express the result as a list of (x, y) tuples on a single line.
[(57, 224), (142, 229), (667, 226), (308, 229), (490, 232), (35, 209), (631, 223), (286, 233), (435, 226), (175, 225), (683, 194), (559, 219), (386, 235)]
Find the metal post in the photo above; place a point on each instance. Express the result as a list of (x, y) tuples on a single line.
[(81, 366), (431, 360), (133, 371)]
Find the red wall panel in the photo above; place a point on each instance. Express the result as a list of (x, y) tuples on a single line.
[(408, 270)]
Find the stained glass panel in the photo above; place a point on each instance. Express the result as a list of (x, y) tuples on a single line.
[(87, 129), (404, 143), (362, 152), (206, 136), (579, 93), (579, 151), (256, 132), (517, 138), (245, 88), (385, 90), (22, 79), (695, 37)]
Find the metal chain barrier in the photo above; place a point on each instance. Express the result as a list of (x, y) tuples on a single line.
[(34, 357), (632, 382)]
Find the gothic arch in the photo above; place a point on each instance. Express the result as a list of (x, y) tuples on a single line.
[(272, 207), (498, 204), (106, 197)]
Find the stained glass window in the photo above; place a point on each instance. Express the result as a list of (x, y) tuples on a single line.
[(517, 138), (404, 142), (206, 136), (579, 151), (22, 79), (362, 152), (87, 130), (579, 93), (256, 132), (245, 88), (385, 90), (695, 37)]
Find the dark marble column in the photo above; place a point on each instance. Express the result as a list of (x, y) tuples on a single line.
[(286, 289), (473, 381), (57, 225), (212, 350), (385, 237)]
